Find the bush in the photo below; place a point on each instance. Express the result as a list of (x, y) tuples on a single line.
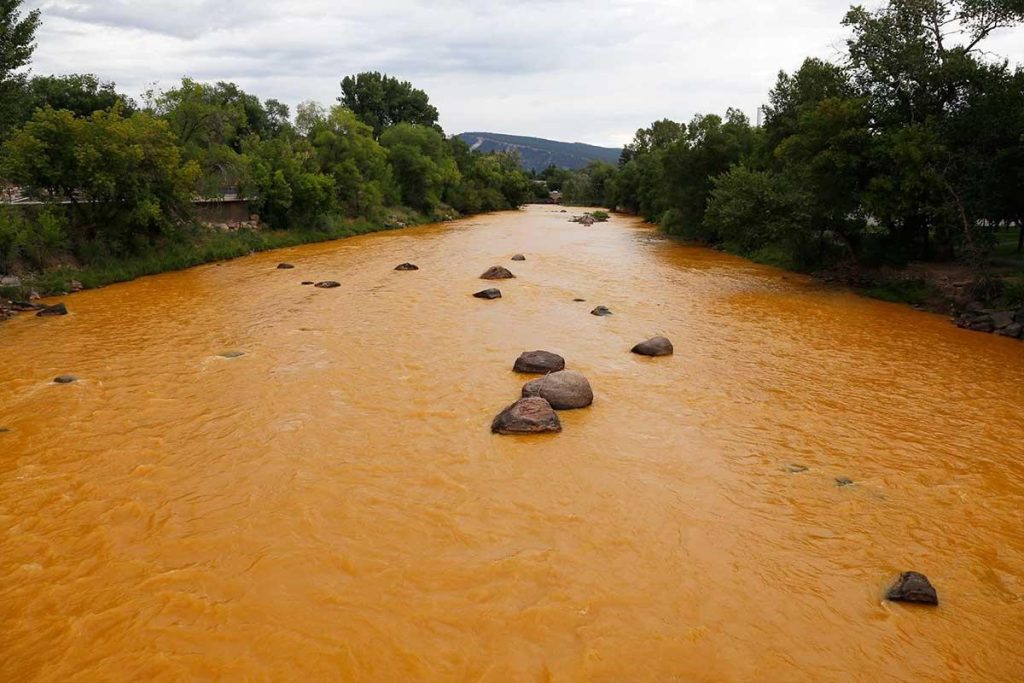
[(600, 216)]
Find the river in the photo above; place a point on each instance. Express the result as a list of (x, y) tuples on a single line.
[(332, 504)]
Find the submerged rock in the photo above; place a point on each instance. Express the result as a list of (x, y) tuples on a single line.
[(538, 363), (232, 354), (579, 301), (913, 587), (655, 346), (307, 282), (844, 481), (407, 266), (56, 309), (327, 284), (601, 311), (795, 469), (518, 257), (488, 294), (64, 379), (565, 390), (532, 415), (497, 273), (284, 266)]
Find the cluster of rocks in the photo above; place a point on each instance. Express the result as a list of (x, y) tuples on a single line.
[(558, 389), (586, 220), (976, 317)]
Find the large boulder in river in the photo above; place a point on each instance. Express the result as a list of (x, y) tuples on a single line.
[(530, 415), (56, 309), (655, 346), (539, 363), (565, 390), (497, 273), (913, 587), (488, 294)]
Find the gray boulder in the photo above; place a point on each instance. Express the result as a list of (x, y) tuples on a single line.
[(655, 346), (497, 273), (488, 294), (518, 257), (913, 587), (565, 390), (601, 311), (538, 363), (56, 309), (530, 415)]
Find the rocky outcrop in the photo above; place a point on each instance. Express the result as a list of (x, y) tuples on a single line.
[(518, 257), (538, 363), (284, 266), (56, 309), (327, 284), (655, 346), (976, 317), (530, 415), (488, 294), (497, 273), (565, 390), (913, 587), (601, 311), (407, 266)]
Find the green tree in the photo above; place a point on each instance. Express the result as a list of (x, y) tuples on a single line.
[(17, 43), (381, 101), (346, 150), (422, 164), (287, 188), (124, 178)]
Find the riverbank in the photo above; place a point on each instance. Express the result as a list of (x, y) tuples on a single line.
[(197, 245)]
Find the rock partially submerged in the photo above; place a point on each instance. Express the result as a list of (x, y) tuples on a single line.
[(65, 379), (232, 354), (565, 390), (407, 266), (284, 266), (538, 363), (497, 273), (56, 309), (488, 294), (307, 282), (518, 257), (601, 311), (913, 587), (654, 347), (327, 284), (532, 415)]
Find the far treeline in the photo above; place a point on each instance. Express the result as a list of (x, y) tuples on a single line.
[(911, 147), (116, 179)]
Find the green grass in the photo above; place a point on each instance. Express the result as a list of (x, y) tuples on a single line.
[(192, 249), (904, 292)]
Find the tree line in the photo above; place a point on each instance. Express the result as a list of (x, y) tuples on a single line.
[(909, 147), (117, 177)]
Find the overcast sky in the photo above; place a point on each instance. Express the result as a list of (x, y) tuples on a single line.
[(590, 71)]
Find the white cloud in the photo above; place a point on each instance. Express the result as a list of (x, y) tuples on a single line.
[(564, 69)]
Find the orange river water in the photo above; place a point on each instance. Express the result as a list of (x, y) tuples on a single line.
[(333, 506)]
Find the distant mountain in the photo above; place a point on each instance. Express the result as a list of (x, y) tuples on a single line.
[(538, 153)]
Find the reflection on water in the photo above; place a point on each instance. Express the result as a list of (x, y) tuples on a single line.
[(332, 504)]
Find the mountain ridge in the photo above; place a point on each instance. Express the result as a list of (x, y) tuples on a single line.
[(536, 154)]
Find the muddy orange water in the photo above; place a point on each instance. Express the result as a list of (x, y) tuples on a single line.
[(332, 505)]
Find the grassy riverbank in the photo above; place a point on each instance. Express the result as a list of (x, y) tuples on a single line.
[(193, 246)]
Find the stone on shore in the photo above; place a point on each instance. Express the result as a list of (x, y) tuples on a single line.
[(284, 266), (655, 346), (538, 363), (497, 273), (913, 587), (76, 286), (22, 306), (327, 284), (564, 390), (518, 257), (488, 294), (601, 311), (56, 309), (531, 415), (65, 379), (407, 266)]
